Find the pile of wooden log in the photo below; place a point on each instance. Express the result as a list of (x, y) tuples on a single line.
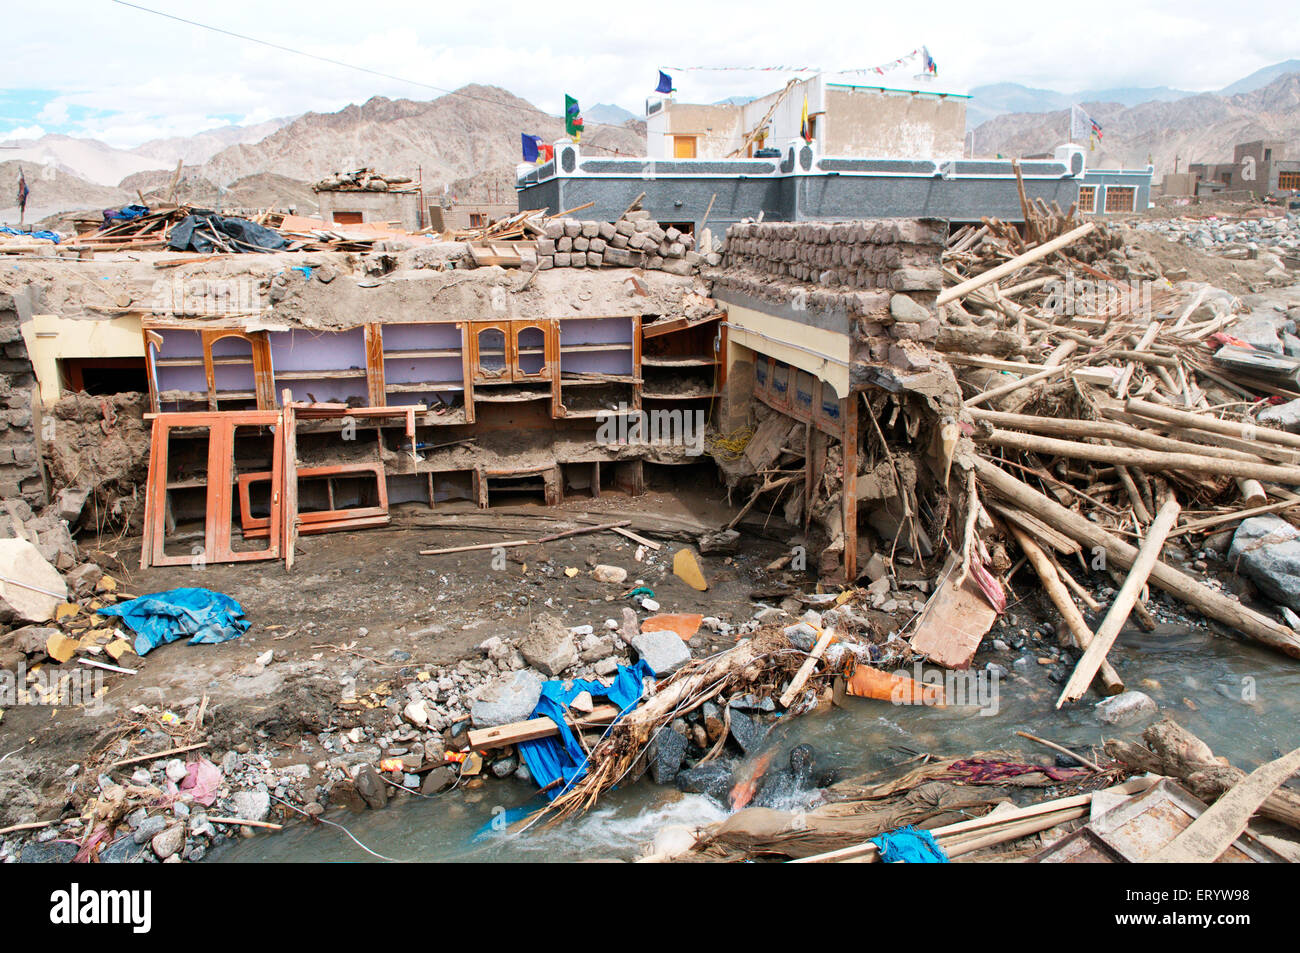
[(1112, 416)]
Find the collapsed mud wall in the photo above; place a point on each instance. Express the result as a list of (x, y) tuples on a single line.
[(20, 474), (101, 445)]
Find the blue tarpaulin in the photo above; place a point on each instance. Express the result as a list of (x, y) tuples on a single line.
[(48, 236), (200, 614), (561, 756), (907, 845)]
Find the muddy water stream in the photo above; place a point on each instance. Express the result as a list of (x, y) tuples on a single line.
[(1243, 701)]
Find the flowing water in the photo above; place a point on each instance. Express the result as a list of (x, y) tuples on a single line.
[(1243, 701)]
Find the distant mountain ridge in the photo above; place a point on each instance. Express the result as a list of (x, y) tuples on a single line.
[(998, 99), (1200, 128)]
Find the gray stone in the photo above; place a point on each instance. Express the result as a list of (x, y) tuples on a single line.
[(801, 636), (251, 805), (1266, 550), (50, 852), (746, 731), (438, 780), (124, 850), (548, 646), (1124, 708), (1258, 330), (371, 787), (712, 778), (666, 755), (904, 310), (82, 580), (506, 699), (149, 828), (664, 652), (1282, 416), (504, 767)]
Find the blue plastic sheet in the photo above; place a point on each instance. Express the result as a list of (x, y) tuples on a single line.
[(201, 615), (48, 236), (908, 845), (561, 756)]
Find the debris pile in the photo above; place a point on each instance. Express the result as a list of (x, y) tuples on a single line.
[(1270, 236)]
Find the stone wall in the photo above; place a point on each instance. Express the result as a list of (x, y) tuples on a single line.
[(634, 241), (20, 474)]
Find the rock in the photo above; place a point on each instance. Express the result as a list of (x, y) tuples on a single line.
[(802, 636), (583, 702), (49, 852), (1282, 416), (175, 770), (1259, 331), (506, 699), (906, 311), (251, 805), (666, 754), (1124, 708), (83, 579), (32, 639), (504, 767), (124, 850), (664, 652), (23, 562), (723, 541), (371, 787), (416, 713), (69, 502), (712, 778), (438, 780), (169, 842), (746, 731), (1266, 549), (549, 646), (150, 828), (615, 575)]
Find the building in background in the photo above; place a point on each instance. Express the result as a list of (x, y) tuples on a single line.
[(365, 196), (847, 118)]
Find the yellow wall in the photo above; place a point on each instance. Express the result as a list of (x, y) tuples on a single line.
[(824, 354), (49, 338)]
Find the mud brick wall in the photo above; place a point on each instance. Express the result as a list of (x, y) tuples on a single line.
[(885, 274), (893, 254), (20, 474), (634, 241)]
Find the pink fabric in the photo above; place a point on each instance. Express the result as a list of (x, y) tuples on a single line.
[(202, 778)]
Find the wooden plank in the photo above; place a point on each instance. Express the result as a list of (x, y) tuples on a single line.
[(504, 735), (954, 621), (1219, 827), (1147, 557)]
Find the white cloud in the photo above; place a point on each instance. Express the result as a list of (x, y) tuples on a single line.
[(146, 77), (22, 132)]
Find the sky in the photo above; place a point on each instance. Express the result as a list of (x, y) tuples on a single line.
[(104, 70)]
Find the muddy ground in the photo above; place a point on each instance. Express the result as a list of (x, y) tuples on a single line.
[(366, 605)]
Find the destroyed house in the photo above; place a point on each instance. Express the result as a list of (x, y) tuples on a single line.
[(306, 392)]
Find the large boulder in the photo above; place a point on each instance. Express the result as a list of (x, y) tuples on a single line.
[(42, 587), (548, 646), (1266, 550), (506, 699), (664, 652), (1282, 416)]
